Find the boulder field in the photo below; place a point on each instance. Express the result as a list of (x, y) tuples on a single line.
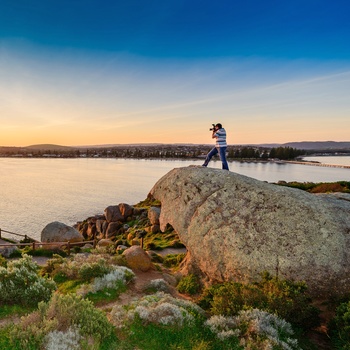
[(235, 227)]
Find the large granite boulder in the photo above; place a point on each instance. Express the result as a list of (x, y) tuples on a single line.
[(60, 232), (235, 227)]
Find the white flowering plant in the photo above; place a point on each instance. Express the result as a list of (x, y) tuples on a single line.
[(21, 284), (256, 329), (159, 308), (66, 322), (157, 285), (115, 280)]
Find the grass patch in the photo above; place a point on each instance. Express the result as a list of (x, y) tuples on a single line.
[(162, 240), (106, 295), (192, 337), (69, 286), (11, 310), (147, 203), (173, 260)]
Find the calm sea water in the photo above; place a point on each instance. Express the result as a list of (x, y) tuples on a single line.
[(35, 192)]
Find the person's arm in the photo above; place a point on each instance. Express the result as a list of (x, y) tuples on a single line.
[(214, 136)]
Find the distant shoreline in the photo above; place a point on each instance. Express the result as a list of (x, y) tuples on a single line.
[(316, 164)]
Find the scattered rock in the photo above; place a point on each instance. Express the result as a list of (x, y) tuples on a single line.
[(7, 251), (104, 242), (137, 258)]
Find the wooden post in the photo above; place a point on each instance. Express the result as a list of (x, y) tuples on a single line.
[(95, 243), (33, 246), (142, 242), (68, 248), (0, 232)]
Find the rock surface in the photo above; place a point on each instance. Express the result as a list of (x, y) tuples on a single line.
[(235, 227), (7, 251), (60, 232), (137, 258)]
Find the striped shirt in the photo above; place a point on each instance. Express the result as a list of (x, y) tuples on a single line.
[(220, 136)]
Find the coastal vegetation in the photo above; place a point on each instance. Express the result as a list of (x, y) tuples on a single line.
[(79, 301), (321, 187), (69, 306)]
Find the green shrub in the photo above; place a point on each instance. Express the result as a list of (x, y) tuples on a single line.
[(286, 299), (3, 261), (229, 298), (83, 267), (21, 284), (63, 321), (88, 271), (173, 260), (189, 285), (340, 327), (115, 280)]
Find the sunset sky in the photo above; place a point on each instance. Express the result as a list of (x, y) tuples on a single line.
[(162, 71)]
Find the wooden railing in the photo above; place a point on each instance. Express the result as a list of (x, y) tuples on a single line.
[(36, 244), (15, 234)]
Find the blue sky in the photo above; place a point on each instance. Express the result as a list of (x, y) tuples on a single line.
[(102, 72)]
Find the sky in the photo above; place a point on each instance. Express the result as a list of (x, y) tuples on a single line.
[(117, 72)]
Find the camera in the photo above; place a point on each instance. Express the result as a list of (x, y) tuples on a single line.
[(213, 128)]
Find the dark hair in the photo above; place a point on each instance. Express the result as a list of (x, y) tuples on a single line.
[(219, 125)]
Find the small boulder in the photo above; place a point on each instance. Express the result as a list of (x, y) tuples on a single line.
[(59, 232), (137, 258), (112, 229), (121, 247), (153, 215), (7, 251), (126, 210), (104, 243), (113, 214)]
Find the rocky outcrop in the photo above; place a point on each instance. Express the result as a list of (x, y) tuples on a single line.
[(59, 232), (108, 225), (235, 227)]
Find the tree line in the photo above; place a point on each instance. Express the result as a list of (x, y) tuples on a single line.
[(283, 153), (160, 151)]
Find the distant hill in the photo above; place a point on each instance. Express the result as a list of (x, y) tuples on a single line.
[(318, 145), (304, 145), (49, 147)]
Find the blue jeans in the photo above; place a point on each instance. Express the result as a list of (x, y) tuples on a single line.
[(222, 154)]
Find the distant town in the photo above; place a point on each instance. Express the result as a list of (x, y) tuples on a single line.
[(178, 151)]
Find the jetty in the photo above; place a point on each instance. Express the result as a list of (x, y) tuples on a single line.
[(316, 164)]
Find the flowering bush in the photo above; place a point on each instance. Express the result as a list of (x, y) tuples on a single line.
[(159, 308), (63, 340), (21, 284), (256, 329), (157, 285), (65, 322), (287, 299), (83, 267), (116, 279)]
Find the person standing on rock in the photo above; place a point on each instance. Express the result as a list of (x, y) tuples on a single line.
[(219, 133)]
